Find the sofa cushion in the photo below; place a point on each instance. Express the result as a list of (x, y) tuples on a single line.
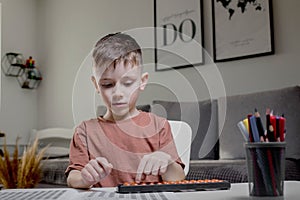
[(53, 171), (285, 100), (145, 108), (232, 173), (202, 117), (292, 169)]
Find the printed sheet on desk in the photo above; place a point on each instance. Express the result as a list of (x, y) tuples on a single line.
[(72, 194), (143, 191), (105, 195), (38, 194)]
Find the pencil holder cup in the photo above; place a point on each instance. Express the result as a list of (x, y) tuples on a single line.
[(266, 168)]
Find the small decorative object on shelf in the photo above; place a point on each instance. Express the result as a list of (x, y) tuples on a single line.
[(30, 62), (14, 64)]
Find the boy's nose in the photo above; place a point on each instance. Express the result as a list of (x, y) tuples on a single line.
[(117, 92)]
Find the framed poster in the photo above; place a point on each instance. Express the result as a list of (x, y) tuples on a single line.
[(178, 34), (242, 29)]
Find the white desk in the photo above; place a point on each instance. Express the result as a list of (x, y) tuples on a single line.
[(240, 191)]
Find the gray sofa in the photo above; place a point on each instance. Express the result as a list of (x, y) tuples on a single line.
[(217, 148)]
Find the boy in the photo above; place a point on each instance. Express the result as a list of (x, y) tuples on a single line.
[(125, 145)]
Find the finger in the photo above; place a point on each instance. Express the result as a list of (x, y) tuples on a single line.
[(98, 169), (140, 169), (102, 161), (90, 173), (163, 168), (149, 166), (90, 168), (104, 164), (87, 177), (143, 177), (156, 168), (159, 168)]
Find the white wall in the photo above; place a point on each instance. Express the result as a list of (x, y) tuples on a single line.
[(71, 28), (67, 30), (18, 112)]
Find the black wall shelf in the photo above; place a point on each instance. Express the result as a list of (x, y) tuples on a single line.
[(14, 65)]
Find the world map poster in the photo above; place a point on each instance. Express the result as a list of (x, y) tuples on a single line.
[(242, 29)]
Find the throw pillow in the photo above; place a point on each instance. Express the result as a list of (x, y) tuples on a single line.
[(202, 117)]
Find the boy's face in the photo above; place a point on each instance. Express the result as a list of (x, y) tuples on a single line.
[(119, 87)]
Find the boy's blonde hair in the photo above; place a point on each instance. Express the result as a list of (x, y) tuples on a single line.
[(114, 48)]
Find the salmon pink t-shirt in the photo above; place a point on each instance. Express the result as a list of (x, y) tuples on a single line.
[(123, 144)]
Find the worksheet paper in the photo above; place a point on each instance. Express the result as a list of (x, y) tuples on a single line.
[(72, 194)]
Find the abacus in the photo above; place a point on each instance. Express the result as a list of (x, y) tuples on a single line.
[(174, 186)]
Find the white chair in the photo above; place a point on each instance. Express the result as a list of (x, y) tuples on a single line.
[(182, 134), (58, 140)]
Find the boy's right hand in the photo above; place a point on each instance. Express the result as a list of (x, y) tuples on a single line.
[(96, 170)]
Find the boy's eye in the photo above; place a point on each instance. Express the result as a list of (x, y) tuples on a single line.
[(107, 85), (128, 83)]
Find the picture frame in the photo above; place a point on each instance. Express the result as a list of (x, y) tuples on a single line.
[(242, 29), (178, 34)]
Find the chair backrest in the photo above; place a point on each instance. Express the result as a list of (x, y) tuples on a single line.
[(58, 138), (182, 134)]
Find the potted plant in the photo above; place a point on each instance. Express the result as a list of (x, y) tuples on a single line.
[(24, 171)]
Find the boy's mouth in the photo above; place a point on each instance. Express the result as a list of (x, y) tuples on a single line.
[(119, 104)]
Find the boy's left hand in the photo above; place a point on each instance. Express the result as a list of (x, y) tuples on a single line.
[(155, 164)]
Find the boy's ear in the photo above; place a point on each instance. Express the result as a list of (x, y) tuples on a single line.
[(144, 80), (95, 84)]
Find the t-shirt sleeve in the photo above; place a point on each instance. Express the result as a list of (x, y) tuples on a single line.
[(79, 155), (167, 143)]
